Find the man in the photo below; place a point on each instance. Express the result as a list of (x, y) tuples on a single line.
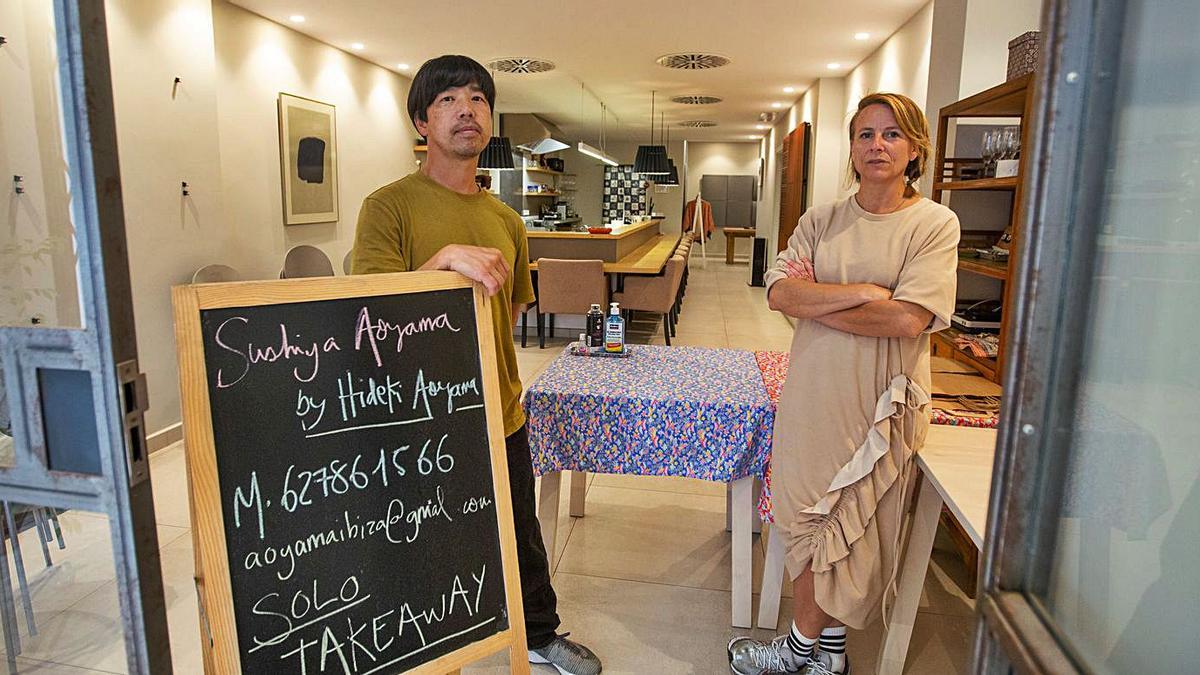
[(438, 219)]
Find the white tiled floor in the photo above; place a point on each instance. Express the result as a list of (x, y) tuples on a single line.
[(643, 579)]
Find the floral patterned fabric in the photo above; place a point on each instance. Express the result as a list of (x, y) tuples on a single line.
[(664, 411)]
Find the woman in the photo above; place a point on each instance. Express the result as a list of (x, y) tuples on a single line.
[(868, 278)]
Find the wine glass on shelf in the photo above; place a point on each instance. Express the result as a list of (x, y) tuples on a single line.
[(988, 154), (1014, 142)]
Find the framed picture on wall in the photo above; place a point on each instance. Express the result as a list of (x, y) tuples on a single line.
[(308, 160)]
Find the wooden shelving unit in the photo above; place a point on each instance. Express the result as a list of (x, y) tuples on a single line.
[(1006, 183), (945, 347), (1011, 99), (987, 268)]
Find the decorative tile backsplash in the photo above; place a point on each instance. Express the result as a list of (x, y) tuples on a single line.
[(624, 193)]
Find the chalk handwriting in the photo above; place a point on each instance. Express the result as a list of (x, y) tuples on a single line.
[(424, 389), (381, 331), (285, 351), (339, 650)]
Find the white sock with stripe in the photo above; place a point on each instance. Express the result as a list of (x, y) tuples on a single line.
[(833, 643)]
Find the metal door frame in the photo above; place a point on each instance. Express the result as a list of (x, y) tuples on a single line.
[(1074, 107), (105, 347)]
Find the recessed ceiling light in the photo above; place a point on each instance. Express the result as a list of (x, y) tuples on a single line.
[(403, 66), (777, 104), (752, 137), (833, 66), (862, 36), (760, 126), (357, 46), (296, 18), (788, 90)]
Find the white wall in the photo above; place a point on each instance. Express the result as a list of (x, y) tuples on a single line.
[(256, 60), (220, 134), (163, 140), (988, 27), (900, 66)]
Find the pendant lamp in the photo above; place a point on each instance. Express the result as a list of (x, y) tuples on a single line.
[(672, 177), (498, 154), (651, 159)]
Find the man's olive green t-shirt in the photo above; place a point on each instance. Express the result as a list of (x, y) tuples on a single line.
[(402, 225)]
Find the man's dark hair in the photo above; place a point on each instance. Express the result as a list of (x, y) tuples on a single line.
[(446, 72)]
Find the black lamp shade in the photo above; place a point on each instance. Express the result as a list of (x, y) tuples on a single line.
[(672, 177), (651, 160), (498, 154)]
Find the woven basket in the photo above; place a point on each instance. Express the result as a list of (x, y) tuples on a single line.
[(1023, 53)]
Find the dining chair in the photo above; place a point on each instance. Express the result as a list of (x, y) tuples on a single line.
[(211, 274), (567, 287), (655, 294), (305, 261)]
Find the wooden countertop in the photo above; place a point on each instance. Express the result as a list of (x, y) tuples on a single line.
[(619, 232), (649, 258), (958, 461)]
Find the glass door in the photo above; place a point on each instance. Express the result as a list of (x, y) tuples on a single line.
[(1094, 532), (80, 578)]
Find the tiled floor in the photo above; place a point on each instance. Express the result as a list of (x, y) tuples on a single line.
[(643, 579)]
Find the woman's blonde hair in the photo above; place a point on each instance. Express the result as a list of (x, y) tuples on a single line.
[(913, 125)]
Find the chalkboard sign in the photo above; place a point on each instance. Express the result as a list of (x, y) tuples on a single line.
[(346, 461)]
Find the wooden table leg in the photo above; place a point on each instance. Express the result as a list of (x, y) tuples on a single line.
[(772, 581), (548, 511), (913, 565), (579, 481), (743, 514), (729, 244)]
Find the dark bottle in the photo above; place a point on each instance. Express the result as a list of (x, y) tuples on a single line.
[(595, 327)]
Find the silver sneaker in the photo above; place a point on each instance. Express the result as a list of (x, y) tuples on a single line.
[(570, 658), (748, 656), (821, 664)]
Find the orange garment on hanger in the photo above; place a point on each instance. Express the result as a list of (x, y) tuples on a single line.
[(706, 218)]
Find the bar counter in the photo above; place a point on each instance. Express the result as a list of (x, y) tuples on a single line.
[(624, 240)]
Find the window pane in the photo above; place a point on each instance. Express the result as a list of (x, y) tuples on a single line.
[(38, 282), (1125, 581)]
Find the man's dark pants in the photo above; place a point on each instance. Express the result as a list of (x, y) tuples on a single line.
[(541, 605)]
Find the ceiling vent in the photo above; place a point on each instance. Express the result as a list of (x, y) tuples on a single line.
[(698, 124), (692, 61), (696, 100), (520, 65)]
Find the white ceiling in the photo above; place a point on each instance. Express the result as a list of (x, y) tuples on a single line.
[(611, 46)]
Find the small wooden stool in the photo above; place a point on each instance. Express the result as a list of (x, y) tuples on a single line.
[(731, 236)]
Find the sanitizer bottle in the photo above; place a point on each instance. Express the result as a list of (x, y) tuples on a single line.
[(614, 330)]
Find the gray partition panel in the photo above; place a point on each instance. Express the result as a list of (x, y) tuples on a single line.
[(714, 188), (741, 188), (739, 214), (718, 213)]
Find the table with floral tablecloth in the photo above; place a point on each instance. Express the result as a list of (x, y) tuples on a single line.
[(661, 411)]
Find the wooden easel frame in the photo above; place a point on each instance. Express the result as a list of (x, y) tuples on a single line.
[(217, 625), (697, 227)]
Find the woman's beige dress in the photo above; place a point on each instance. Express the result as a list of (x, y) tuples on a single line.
[(855, 409)]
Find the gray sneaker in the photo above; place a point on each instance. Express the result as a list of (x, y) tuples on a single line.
[(820, 664), (570, 658), (748, 656)]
